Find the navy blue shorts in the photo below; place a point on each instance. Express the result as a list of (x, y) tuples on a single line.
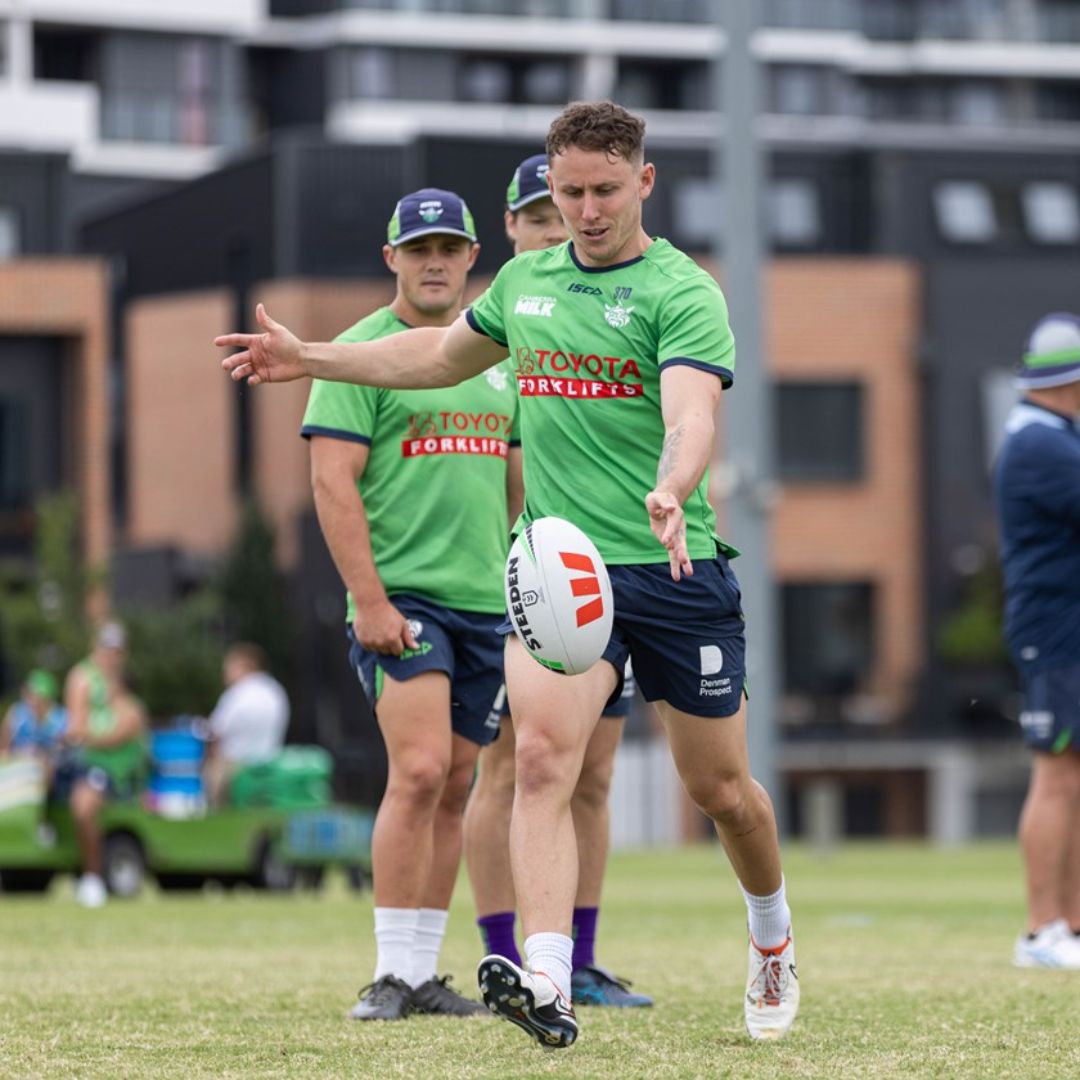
[(685, 639), (463, 644), (1051, 716)]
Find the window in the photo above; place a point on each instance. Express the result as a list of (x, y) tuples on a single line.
[(486, 80), (1051, 213), (794, 213), (658, 84), (828, 636), (546, 83), (10, 233), (698, 212), (14, 438), (1059, 101), (798, 90), (372, 74), (965, 212), (977, 104), (819, 432)]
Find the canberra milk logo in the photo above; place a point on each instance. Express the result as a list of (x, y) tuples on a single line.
[(535, 305), (431, 210), (617, 316), (497, 378)]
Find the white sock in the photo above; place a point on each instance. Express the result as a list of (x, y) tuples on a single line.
[(552, 954), (769, 918), (430, 929), (395, 938)]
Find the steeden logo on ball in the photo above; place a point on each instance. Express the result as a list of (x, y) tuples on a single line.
[(559, 596)]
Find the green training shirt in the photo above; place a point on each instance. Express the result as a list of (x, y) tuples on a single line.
[(434, 487), (588, 345)]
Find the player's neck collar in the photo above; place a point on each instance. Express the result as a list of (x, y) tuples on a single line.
[(599, 269)]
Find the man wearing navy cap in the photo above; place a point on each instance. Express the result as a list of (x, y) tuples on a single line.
[(1037, 495), (415, 491)]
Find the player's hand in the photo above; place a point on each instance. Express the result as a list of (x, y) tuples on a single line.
[(276, 355), (381, 628), (669, 527)]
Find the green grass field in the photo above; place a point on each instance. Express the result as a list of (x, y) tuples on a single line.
[(904, 954)]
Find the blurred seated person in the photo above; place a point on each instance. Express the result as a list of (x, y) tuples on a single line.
[(248, 724), (34, 725), (107, 734)]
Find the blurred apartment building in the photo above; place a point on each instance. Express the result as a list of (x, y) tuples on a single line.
[(188, 157)]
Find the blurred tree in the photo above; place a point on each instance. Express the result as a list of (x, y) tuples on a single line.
[(43, 619), (253, 593), (973, 633), (174, 654)]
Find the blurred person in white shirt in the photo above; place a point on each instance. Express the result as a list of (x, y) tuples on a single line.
[(248, 724)]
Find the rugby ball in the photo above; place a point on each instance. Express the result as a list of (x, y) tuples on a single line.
[(559, 596)]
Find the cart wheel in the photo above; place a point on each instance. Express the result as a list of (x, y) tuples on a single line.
[(123, 865)]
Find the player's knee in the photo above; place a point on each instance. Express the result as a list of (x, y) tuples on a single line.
[(419, 781), (542, 765), (722, 799)]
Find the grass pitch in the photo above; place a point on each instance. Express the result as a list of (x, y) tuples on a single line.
[(904, 954)]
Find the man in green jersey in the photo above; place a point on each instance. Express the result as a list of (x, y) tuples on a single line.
[(411, 490), (621, 346), (106, 731), (533, 223)]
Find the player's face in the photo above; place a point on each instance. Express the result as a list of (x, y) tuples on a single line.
[(600, 197), (535, 227), (431, 271)]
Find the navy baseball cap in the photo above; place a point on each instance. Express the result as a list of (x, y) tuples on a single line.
[(529, 183), (427, 212), (1052, 357)]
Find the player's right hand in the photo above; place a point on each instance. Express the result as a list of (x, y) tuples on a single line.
[(276, 355), (381, 628)]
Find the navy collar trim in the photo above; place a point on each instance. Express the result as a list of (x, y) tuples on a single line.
[(599, 269)]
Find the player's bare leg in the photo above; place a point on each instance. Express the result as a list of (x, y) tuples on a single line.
[(1048, 841), (425, 792), (487, 843), (592, 984), (711, 756), (555, 716)]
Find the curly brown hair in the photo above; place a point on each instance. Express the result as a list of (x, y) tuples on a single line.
[(597, 125)]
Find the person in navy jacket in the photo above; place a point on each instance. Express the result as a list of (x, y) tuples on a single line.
[(1037, 498)]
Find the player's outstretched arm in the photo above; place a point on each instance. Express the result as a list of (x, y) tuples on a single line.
[(424, 357), (689, 398)]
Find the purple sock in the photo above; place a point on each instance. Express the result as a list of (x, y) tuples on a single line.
[(498, 933), (585, 936)]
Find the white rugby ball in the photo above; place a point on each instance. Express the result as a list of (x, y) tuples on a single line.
[(559, 596)]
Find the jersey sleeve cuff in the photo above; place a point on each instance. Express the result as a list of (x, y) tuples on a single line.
[(475, 324), (334, 433), (726, 375)]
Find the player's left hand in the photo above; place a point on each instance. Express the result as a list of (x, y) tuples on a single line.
[(669, 526), (275, 355)]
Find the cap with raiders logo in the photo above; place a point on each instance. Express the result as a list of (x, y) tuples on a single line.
[(428, 212), (529, 183)]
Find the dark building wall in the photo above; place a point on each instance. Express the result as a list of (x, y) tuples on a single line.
[(186, 238), (34, 186)]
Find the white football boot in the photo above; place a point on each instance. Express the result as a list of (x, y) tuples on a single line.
[(772, 990), (529, 999), (1052, 946)]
